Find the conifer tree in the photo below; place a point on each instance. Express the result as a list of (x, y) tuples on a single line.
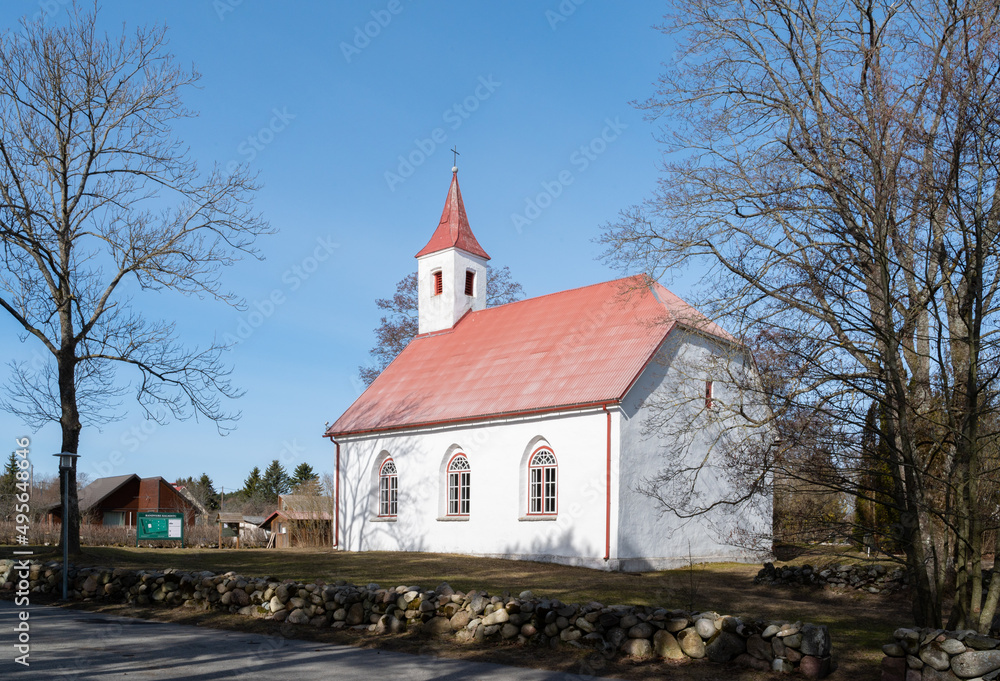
[(303, 473), (275, 482), (253, 486)]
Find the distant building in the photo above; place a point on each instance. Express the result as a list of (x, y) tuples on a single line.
[(240, 529), (115, 501), (301, 520)]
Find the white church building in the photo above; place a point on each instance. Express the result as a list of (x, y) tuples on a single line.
[(522, 431)]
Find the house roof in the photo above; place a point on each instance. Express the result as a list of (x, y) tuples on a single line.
[(100, 489), (295, 515), (304, 502), (453, 230), (579, 347)]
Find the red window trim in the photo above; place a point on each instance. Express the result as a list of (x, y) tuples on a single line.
[(437, 282), (395, 475), (447, 490), (530, 467), (709, 394)]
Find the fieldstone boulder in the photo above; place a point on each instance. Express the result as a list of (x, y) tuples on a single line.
[(239, 598), (691, 643), (437, 626), (974, 663), (724, 647), (675, 624), (815, 667), (665, 645), (641, 630), (759, 648), (783, 666), (977, 642), (748, 660), (297, 616), (496, 617), (893, 650), (936, 658), (616, 637), (355, 615), (705, 627), (570, 634), (815, 640), (460, 619), (638, 648)]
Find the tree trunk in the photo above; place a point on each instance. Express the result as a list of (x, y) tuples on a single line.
[(71, 427)]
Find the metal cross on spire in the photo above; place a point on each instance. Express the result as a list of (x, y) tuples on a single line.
[(454, 164)]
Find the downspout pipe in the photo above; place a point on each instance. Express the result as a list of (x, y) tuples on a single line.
[(336, 498), (607, 526)]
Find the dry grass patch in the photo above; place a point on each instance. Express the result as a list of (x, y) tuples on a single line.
[(859, 622)]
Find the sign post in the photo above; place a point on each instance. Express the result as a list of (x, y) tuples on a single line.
[(160, 527)]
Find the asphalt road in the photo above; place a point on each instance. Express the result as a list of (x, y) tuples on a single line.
[(73, 644)]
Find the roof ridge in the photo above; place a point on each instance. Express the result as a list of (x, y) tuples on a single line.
[(556, 293)]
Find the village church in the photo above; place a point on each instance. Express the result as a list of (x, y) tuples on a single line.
[(522, 431)]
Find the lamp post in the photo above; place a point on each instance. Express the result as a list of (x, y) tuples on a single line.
[(66, 461)]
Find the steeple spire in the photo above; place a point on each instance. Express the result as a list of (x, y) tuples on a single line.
[(451, 268), (453, 230)]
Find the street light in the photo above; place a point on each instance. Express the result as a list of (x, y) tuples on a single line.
[(66, 462)]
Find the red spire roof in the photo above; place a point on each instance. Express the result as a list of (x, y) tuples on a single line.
[(454, 230)]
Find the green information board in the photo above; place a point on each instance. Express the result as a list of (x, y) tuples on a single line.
[(160, 526)]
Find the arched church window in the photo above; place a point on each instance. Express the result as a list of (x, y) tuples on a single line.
[(542, 483), (459, 485), (388, 490)]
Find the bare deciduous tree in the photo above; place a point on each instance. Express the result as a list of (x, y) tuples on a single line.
[(833, 167), (99, 203)]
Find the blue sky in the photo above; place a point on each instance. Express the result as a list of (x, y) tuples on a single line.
[(347, 111)]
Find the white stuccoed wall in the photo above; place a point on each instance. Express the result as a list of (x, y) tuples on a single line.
[(641, 539), (649, 540), (442, 311), (498, 453)]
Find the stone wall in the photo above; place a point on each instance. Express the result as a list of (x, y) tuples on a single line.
[(938, 655), (875, 578), (473, 617)]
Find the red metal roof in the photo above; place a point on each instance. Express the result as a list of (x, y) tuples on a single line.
[(453, 229), (577, 347)]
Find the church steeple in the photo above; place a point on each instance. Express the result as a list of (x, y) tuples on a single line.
[(453, 229), (451, 268)]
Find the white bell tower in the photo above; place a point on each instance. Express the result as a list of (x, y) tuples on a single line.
[(451, 268)]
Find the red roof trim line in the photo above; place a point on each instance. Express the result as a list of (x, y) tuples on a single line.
[(472, 419)]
